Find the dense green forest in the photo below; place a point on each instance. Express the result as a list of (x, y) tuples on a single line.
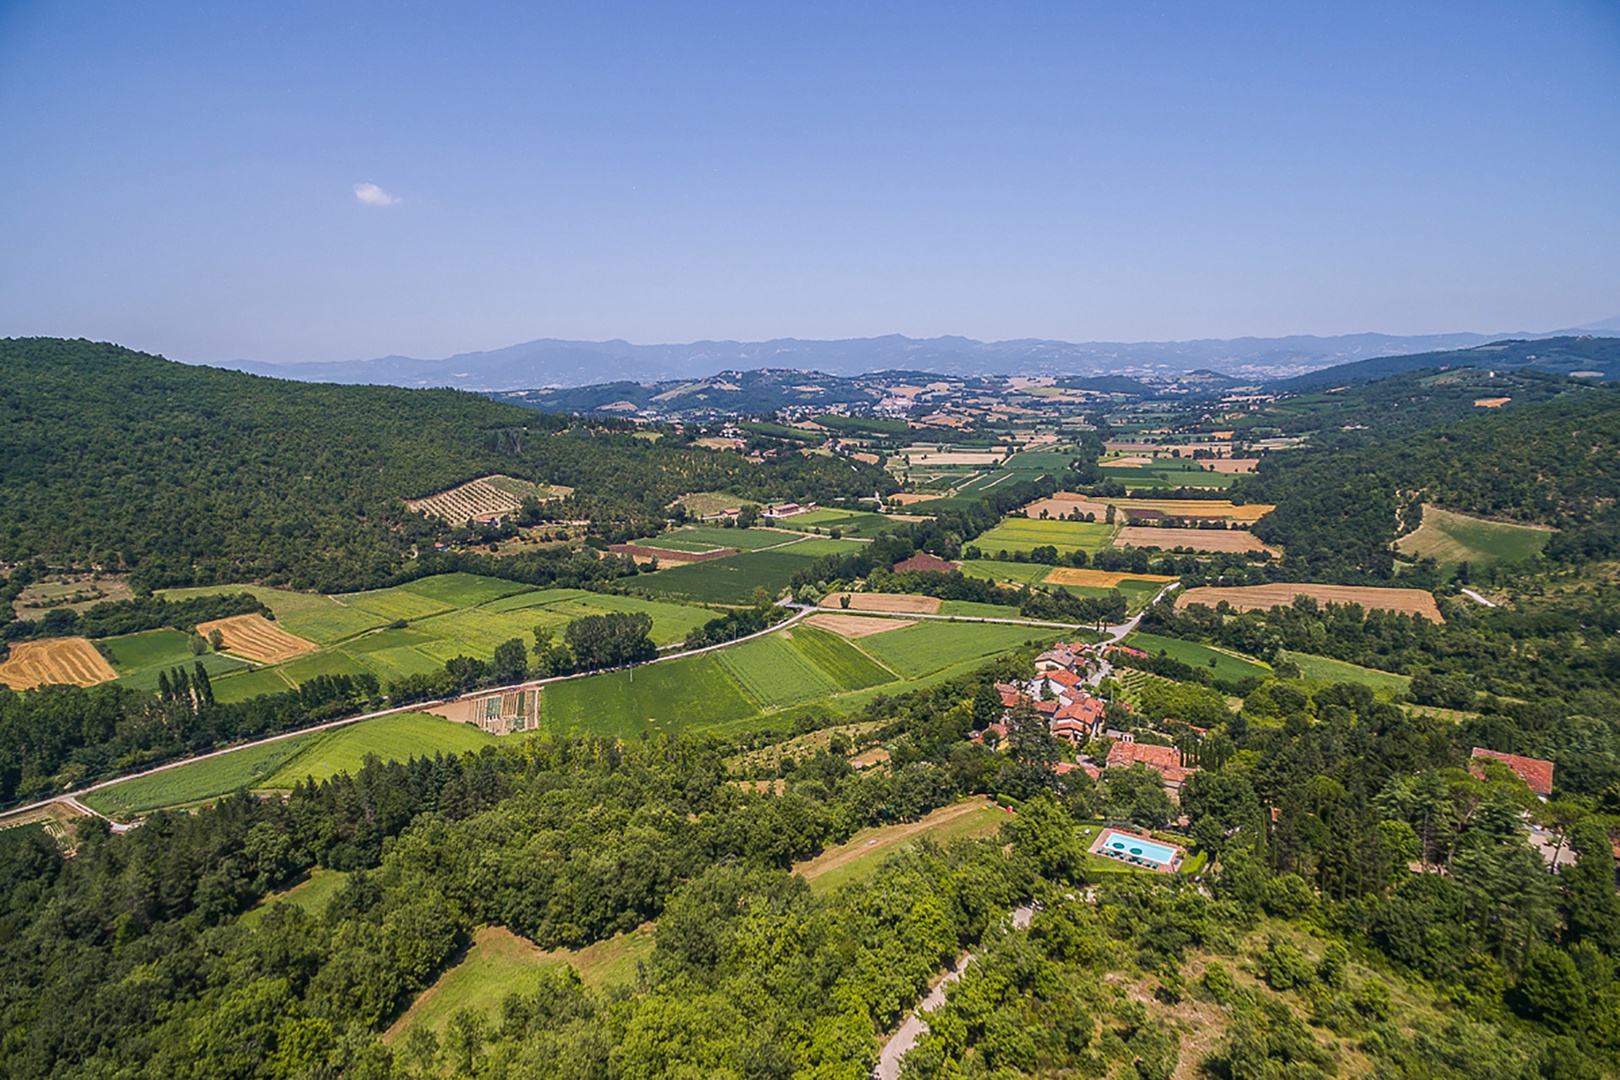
[(1558, 355), (1313, 951), (194, 475)]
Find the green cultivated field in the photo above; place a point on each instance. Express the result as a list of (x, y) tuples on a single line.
[(391, 738), (701, 538), (199, 780), (316, 618), (671, 622), (249, 684), (1168, 474), (731, 580), (930, 646), (1451, 538), (537, 598), (463, 590), (694, 691), (861, 523), (141, 658), (850, 668), (991, 570), (817, 546), (1226, 665), (1024, 534), (391, 604), (977, 610), (775, 673), (1326, 669)]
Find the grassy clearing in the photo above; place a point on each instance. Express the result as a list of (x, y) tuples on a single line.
[(931, 646), (776, 674), (311, 894), (859, 856), (391, 738), (1226, 665), (690, 692), (1326, 669), (498, 962), (147, 649), (1450, 538), (199, 780), (1025, 534), (464, 590), (249, 684), (731, 580)]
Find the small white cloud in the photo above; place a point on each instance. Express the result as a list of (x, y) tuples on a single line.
[(372, 195)]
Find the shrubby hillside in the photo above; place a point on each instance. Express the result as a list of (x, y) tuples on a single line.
[(193, 475)]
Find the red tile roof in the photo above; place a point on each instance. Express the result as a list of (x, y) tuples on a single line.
[(1533, 771), (1125, 754)]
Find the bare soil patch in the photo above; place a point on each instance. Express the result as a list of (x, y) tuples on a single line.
[(886, 602), (55, 660), (1197, 539), (1138, 459), (257, 638), (1100, 579), (1265, 597), (1233, 465), (906, 498), (1064, 504), (854, 626)]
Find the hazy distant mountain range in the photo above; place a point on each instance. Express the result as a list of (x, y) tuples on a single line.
[(551, 363)]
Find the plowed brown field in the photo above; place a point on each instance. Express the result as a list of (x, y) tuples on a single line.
[(257, 638), (55, 660), (1197, 539), (887, 602), (1266, 597), (1099, 579), (853, 626)]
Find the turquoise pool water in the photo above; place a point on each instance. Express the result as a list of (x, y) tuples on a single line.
[(1131, 846)]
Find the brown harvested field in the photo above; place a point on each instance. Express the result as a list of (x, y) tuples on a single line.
[(642, 553), (885, 602), (1138, 459), (906, 498), (1266, 597), (1197, 539), (257, 638), (55, 660), (1204, 508), (1233, 464), (854, 626), (1099, 579), (1065, 503), (1492, 402)]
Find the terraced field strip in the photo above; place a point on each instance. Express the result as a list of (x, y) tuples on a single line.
[(71, 660), (1266, 597), (495, 494), (256, 638)]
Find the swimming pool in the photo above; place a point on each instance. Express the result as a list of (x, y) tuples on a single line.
[(1120, 844)]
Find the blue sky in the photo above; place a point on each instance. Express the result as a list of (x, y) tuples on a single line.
[(183, 177)]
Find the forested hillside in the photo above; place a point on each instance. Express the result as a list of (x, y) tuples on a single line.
[(1561, 355), (1338, 503), (192, 475)]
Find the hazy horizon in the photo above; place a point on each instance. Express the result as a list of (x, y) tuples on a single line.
[(307, 183)]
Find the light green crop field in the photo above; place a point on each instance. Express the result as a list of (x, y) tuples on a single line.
[(249, 684), (861, 523), (671, 622), (1168, 474), (390, 665), (310, 616), (817, 546), (325, 662), (149, 648), (731, 580), (464, 590), (1024, 534), (846, 665), (775, 673), (213, 663), (311, 894), (694, 691), (537, 598), (476, 632), (1226, 665), (700, 538), (199, 780), (394, 603), (499, 962), (929, 646), (1326, 669), (991, 570), (391, 738), (1450, 538)]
